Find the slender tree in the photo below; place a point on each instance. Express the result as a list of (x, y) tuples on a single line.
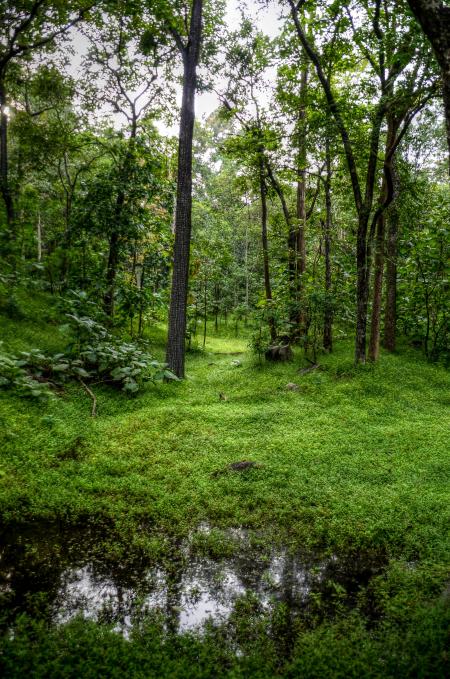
[(386, 71), (190, 52)]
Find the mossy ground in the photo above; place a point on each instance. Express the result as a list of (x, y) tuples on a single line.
[(356, 459)]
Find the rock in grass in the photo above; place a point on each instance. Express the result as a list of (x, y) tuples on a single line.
[(244, 464), (282, 353), (291, 386), (240, 466)]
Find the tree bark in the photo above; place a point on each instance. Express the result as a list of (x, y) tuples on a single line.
[(39, 238), (362, 287), (300, 245), (390, 313), (265, 249), (374, 342), (111, 270), (4, 174), (175, 353), (328, 314)]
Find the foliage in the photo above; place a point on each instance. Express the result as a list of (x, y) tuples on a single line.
[(109, 359), (260, 341), (15, 374), (93, 354)]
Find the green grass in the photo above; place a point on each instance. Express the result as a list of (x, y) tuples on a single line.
[(355, 459)]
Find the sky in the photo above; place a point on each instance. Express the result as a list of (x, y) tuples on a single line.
[(265, 18)]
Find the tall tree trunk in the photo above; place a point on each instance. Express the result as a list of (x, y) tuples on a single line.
[(390, 313), (205, 309), (39, 238), (114, 240), (141, 301), (4, 170), (374, 341), (265, 249), (363, 203), (362, 286), (364, 241), (300, 245), (328, 314), (247, 273), (393, 124), (111, 271), (292, 274), (175, 353)]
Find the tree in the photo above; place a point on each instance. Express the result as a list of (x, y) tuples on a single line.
[(189, 48), (386, 71), (248, 57), (434, 17), (36, 24), (128, 84)]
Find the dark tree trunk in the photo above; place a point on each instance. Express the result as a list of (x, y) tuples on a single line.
[(328, 315), (434, 17), (4, 174), (292, 234), (390, 314), (300, 245), (205, 310), (175, 354), (111, 271), (364, 241), (141, 302), (114, 240), (388, 194), (362, 287), (265, 249), (374, 342)]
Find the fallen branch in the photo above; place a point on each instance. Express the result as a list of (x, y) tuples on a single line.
[(305, 371), (228, 353), (90, 393)]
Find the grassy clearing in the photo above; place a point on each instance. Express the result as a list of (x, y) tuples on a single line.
[(353, 460)]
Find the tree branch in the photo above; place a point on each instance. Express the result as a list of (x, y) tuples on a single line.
[(314, 57)]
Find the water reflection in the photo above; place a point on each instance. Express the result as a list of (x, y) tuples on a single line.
[(59, 574)]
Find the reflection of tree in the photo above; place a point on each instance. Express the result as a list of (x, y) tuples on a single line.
[(174, 586), (284, 632), (30, 564)]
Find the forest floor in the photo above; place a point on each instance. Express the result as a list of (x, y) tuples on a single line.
[(133, 545)]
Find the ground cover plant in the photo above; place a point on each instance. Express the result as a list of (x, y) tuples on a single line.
[(352, 464)]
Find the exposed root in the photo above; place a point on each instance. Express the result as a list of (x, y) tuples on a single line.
[(90, 393)]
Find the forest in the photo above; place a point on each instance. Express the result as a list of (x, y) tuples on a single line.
[(224, 339)]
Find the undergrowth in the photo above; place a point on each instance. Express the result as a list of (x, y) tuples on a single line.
[(355, 458)]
